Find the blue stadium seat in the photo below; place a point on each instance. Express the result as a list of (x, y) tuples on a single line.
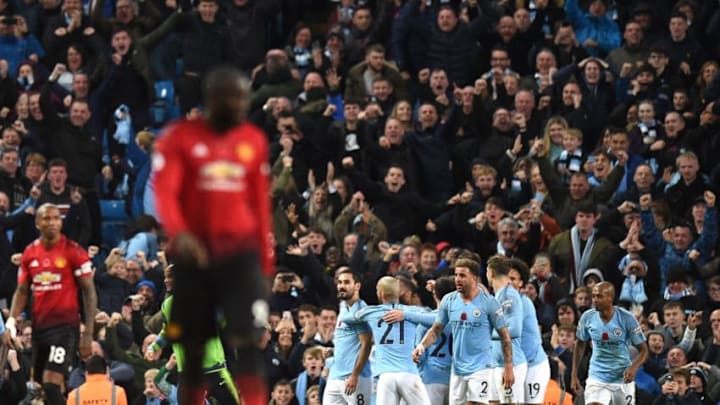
[(114, 222), (113, 232), (165, 91), (165, 107), (113, 210)]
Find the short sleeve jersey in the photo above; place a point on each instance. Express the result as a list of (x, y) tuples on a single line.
[(472, 323), (435, 365), (347, 343), (611, 342), (531, 340), (394, 342), (52, 274), (511, 304)]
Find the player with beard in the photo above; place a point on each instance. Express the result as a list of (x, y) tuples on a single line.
[(54, 269), (611, 374), (212, 191), (472, 314), (349, 381)]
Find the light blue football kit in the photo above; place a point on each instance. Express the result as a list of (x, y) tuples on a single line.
[(347, 347)]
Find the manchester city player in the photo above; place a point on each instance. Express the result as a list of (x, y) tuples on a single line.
[(611, 376), (349, 381), (472, 314), (398, 377), (435, 364), (538, 367), (498, 268)]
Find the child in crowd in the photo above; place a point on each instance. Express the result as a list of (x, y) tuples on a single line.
[(571, 158), (282, 394), (313, 364)]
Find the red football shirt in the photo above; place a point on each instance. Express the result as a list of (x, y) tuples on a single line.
[(52, 276), (215, 186)]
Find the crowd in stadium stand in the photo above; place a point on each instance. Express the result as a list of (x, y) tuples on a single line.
[(581, 136)]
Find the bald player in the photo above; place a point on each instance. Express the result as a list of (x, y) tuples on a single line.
[(394, 343), (612, 330)]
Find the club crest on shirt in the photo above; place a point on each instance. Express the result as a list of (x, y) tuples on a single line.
[(60, 262), (477, 313), (617, 332), (245, 152)]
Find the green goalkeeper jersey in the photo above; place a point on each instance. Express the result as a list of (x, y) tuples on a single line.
[(214, 353)]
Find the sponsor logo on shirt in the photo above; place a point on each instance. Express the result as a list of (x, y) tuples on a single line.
[(47, 281), (222, 175)]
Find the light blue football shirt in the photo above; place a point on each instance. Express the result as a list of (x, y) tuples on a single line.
[(509, 299), (531, 339), (611, 343), (394, 342), (347, 343), (472, 324), (436, 363)]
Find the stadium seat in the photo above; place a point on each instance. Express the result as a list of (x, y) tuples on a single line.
[(165, 91), (114, 222), (113, 210), (165, 107)]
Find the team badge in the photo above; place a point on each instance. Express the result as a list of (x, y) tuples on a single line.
[(476, 313), (617, 332), (245, 152), (60, 262)]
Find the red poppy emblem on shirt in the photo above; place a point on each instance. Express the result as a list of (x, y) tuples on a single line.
[(605, 336), (463, 316)]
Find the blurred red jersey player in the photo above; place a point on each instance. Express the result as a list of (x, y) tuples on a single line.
[(212, 194)]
